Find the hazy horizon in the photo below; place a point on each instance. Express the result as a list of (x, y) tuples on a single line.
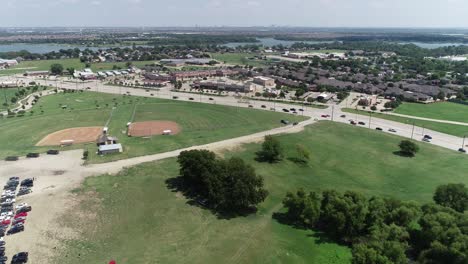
[(425, 14)]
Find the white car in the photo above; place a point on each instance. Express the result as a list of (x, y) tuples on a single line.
[(21, 205)]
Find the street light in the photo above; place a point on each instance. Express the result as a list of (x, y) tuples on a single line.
[(463, 144)]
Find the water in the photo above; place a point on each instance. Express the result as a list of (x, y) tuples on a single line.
[(268, 42)]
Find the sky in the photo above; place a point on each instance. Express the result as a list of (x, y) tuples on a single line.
[(308, 13)]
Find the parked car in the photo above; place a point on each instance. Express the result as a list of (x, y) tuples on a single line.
[(292, 109), (392, 130), (285, 110), (24, 209), (378, 128), (425, 139), (27, 182), (32, 155), (343, 116), (21, 205), (286, 122), (15, 229), (462, 150), (5, 222), (53, 152), (300, 109), (24, 191), (14, 178), (211, 99), (325, 116), (19, 220), (361, 123), (427, 136), (251, 106), (191, 99), (175, 97), (352, 122), (21, 257), (22, 214), (263, 106)]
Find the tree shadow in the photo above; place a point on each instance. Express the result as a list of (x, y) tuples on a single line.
[(298, 161), (403, 154), (178, 184)]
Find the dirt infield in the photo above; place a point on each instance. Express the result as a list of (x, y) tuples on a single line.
[(77, 134), (150, 128)]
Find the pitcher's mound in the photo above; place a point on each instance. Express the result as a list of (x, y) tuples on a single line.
[(151, 128), (76, 135)]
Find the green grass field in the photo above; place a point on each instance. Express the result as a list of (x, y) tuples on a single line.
[(5, 96), (200, 123), (44, 65), (238, 59), (444, 111), (456, 130), (141, 221)]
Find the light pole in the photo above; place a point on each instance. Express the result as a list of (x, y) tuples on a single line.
[(370, 118), (412, 132), (463, 144)]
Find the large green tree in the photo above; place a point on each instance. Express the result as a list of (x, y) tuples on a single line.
[(56, 69), (408, 148), (271, 150), (454, 196)]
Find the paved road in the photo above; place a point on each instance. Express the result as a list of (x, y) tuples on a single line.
[(404, 130)]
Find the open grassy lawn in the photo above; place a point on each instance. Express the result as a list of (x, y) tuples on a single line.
[(238, 59), (44, 65), (200, 123), (456, 130), (443, 111), (140, 220)]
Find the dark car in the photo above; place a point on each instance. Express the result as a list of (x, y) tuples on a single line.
[(250, 106), (263, 106), (286, 122), (295, 123), (343, 116), (24, 209), (352, 123), (15, 229), (175, 97), (191, 99), (378, 128), (211, 99), (361, 123), (302, 110), (293, 109), (285, 110), (462, 150), (53, 152), (21, 257), (32, 155), (427, 136), (27, 183)]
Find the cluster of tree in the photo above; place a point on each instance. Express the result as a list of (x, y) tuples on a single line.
[(227, 185), (393, 104), (384, 230)]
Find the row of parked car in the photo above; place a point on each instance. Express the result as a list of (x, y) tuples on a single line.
[(13, 218)]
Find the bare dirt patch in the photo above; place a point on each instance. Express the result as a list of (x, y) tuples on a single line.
[(151, 128), (77, 134)]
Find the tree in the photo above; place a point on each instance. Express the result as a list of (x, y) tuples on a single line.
[(71, 70), (408, 148), (441, 95), (454, 196), (242, 187), (56, 69), (303, 155), (228, 185), (302, 209), (271, 150)]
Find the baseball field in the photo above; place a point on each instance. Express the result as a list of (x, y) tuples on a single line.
[(65, 116)]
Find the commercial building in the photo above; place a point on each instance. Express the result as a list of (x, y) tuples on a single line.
[(7, 63), (223, 86), (265, 81)]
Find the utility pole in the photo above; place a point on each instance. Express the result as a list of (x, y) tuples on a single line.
[(333, 112), (463, 144), (412, 132)]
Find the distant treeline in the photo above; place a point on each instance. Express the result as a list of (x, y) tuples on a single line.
[(200, 40), (393, 37), (409, 50)]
